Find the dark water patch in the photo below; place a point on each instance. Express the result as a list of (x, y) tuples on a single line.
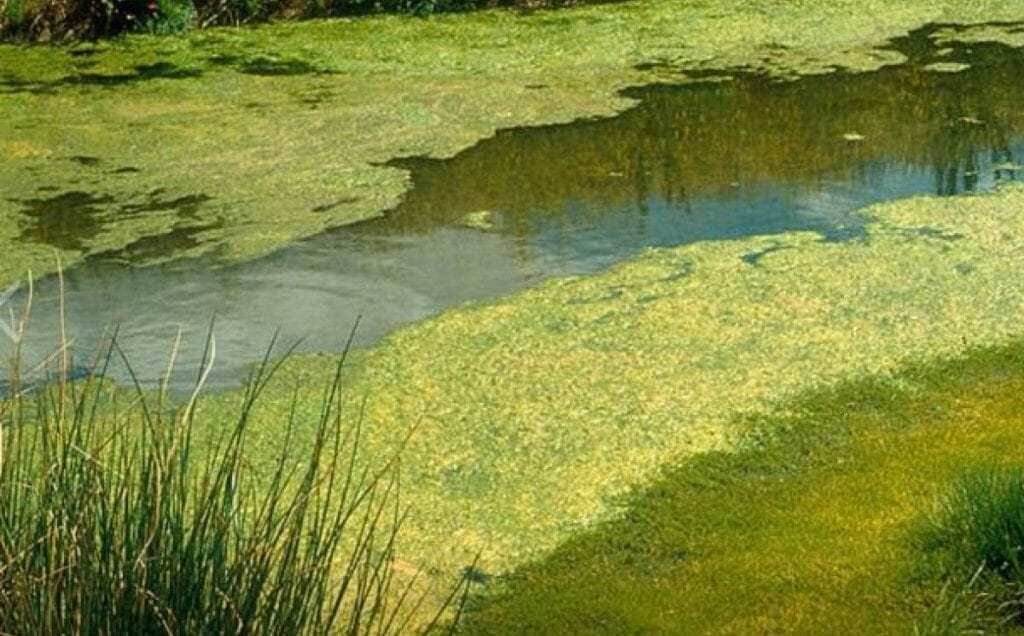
[(85, 161), (65, 221), (662, 168), (272, 67), (10, 84), (152, 248), (754, 258), (268, 65), (186, 205), (141, 73), (710, 160), (327, 207), (919, 46), (69, 220), (127, 170)]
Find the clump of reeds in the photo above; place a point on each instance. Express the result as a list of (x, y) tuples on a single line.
[(980, 523), (112, 521), (978, 528)]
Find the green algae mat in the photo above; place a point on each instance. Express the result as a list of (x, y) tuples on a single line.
[(238, 141), (533, 416)]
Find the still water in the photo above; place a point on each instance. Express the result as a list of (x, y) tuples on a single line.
[(723, 158)]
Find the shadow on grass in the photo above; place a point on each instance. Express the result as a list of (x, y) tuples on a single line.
[(699, 525)]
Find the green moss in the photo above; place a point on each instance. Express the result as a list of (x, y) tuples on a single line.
[(532, 414), (284, 127)]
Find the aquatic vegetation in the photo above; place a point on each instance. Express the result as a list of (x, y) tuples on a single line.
[(947, 67), (534, 413), (483, 220), (565, 199), (278, 124), (537, 415)]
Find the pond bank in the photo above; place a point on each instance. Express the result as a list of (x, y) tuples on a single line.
[(239, 141), (809, 528)]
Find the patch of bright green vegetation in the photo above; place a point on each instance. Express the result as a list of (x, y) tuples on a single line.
[(534, 414), (809, 527), (483, 220), (947, 67), (1009, 35), (280, 131), (980, 523)]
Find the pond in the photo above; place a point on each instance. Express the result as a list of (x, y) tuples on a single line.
[(722, 157)]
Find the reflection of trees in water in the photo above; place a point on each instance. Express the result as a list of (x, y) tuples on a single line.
[(957, 169), (974, 127), (685, 142)]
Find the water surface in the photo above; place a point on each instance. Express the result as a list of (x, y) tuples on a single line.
[(730, 156)]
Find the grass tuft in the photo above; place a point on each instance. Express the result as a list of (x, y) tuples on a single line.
[(978, 526), (114, 519), (980, 523)]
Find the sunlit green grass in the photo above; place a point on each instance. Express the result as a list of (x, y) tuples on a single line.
[(811, 527)]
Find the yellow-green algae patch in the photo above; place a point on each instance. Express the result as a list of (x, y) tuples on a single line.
[(947, 67), (282, 129), (1010, 35), (534, 412)]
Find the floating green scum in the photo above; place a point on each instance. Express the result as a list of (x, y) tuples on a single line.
[(531, 414), (240, 141)]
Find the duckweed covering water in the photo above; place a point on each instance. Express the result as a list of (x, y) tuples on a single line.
[(282, 131), (533, 413)]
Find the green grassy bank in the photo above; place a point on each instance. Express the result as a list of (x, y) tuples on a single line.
[(239, 141), (810, 527)]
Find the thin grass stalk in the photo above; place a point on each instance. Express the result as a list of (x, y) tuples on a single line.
[(111, 523)]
